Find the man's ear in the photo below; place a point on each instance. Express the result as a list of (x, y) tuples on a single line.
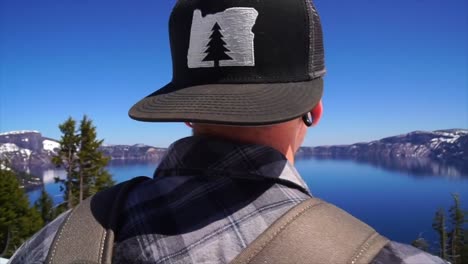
[(316, 113)]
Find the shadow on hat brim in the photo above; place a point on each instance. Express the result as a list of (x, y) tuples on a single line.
[(250, 104)]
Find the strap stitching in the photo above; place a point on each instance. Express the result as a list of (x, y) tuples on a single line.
[(103, 243), (364, 247), (60, 235), (281, 228)]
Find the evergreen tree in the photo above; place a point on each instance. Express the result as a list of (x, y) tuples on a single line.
[(85, 164), (102, 181), (464, 250), (45, 206), (440, 227), (93, 175), (18, 221), (456, 236), (216, 47), (67, 159)]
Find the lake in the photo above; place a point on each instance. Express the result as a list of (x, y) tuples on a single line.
[(398, 203)]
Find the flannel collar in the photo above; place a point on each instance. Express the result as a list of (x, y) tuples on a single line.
[(213, 157)]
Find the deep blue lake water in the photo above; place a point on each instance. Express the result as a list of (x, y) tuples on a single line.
[(398, 204)]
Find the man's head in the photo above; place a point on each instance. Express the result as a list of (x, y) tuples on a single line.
[(285, 137), (240, 63)]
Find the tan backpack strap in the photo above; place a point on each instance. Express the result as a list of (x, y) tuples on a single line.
[(314, 232), (87, 235)]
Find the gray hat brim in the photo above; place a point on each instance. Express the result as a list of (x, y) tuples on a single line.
[(252, 104)]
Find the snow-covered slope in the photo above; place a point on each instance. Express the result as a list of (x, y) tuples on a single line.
[(440, 143), (50, 145), (441, 148), (19, 132), (27, 149)]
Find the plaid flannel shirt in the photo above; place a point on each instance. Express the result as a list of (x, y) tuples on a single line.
[(209, 200)]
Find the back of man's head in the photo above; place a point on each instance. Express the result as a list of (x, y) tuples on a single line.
[(240, 64)]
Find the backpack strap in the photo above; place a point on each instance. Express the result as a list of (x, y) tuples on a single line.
[(87, 235), (314, 232)]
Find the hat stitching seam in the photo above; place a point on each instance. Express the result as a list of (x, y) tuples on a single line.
[(309, 22)]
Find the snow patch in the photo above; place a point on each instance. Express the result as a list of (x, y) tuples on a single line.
[(9, 147), (50, 145), (18, 132), (447, 134), (25, 152), (449, 140), (3, 167)]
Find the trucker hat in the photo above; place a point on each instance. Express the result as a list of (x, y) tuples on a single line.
[(240, 62)]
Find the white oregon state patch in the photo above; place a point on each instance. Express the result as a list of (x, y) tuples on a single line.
[(222, 39)]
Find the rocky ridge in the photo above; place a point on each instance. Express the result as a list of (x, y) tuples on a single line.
[(30, 151), (441, 152)]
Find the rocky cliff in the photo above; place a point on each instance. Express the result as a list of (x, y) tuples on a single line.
[(415, 151), (30, 151), (23, 150), (139, 152), (437, 152)]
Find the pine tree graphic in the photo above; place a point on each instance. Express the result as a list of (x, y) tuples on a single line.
[(216, 47)]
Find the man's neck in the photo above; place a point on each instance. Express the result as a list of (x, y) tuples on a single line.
[(251, 135)]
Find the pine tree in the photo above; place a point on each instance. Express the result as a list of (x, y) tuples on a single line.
[(85, 164), (464, 250), (45, 206), (216, 47), (456, 236), (67, 158), (18, 221), (440, 227), (102, 181), (93, 176)]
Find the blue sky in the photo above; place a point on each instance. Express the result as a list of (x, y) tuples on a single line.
[(393, 67)]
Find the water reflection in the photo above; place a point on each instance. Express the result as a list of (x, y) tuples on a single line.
[(415, 167), (48, 176), (129, 162)]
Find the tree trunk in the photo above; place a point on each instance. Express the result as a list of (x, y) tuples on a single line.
[(454, 247), (81, 187), (443, 240), (6, 241), (69, 202), (69, 181)]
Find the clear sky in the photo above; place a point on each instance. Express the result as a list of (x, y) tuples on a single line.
[(393, 67)]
